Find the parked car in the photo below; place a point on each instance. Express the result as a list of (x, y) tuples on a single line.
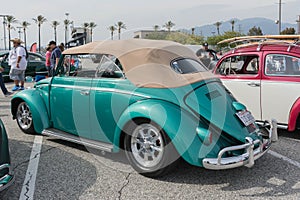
[(6, 177), (152, 98), (35, 66), (265, 76)]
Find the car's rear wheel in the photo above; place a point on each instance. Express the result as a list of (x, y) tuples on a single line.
[(149, 150), (24, 118)]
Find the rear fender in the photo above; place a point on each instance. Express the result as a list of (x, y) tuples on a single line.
[(177, 123), (294, 114), (37, 106)]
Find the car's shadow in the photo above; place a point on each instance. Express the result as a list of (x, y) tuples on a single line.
[(52, 175), (273, 176)]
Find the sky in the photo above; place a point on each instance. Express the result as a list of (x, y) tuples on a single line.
[(139, 14)]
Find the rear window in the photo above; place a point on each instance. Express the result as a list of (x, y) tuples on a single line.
[(187, 66)]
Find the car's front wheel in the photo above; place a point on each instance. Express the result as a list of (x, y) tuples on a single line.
[(149, 150), (24, 118)]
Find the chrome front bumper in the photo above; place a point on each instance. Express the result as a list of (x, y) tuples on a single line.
[(7, 179), (247, 159)]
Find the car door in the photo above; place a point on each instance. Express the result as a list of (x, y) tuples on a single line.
[(280, 85), (109, 98), (70, 97), (241, 74)]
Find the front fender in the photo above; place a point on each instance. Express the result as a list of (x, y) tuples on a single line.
[(294, 113), (40, 114), (179, 125)]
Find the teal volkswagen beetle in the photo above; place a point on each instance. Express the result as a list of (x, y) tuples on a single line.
[(153, 99), (6, 177)]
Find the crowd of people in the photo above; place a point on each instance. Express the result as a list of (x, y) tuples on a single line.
[(18, 58)]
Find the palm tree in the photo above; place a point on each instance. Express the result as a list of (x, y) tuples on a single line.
[(66, 23), (232, 22), (85, 26), (169, 25), (120, 25), (156, 28), (39, 21), (25, 25), (10, 20), (54, 24), (112, 30), (92, 25), (218, 24), (193, 31)]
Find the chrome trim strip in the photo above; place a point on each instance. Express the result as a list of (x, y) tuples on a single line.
[(71, 138), (100, 90)]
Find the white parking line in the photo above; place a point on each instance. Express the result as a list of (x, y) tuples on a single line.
[(29, 182), (277, 155)]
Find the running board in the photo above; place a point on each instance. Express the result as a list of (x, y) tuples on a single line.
[(71, 138)]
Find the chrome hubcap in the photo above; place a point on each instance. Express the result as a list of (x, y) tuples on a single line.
[(147, 145), (24, 116)]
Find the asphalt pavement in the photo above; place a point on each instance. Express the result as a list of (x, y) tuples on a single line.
[(70, 171)]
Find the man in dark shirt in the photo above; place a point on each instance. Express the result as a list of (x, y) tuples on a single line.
[(55, 56)]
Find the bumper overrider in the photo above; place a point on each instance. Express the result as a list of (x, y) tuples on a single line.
[(254, 150), (7, 179)]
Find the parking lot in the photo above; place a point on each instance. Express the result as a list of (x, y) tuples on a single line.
[(69, 171)]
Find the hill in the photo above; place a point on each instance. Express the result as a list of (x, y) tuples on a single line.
[(268, 26)]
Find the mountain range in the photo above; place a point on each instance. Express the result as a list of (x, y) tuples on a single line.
[(268, 26)]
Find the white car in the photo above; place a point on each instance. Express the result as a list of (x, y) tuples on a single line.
[(266, 78)]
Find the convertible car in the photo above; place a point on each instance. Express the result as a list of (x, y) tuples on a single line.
[(153, 99), (6, 177)]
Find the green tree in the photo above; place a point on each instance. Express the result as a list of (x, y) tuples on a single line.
[(288, 31), (193, 31), (112, 30), (120, 25), (10, 20), (25, 25), (66, 24), (232, 22), (55, 24), (255, 31), (85, 27), (92, 25), (183, 38), (169, 25), (218, 25), (39, 21), (214, 40)]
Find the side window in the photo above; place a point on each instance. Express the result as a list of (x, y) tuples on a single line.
[(90, 66), (33, 58), (239, 65), (282, 65), (109, 67)]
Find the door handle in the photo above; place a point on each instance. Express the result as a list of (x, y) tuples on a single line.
[(253, 84), (84, 92)]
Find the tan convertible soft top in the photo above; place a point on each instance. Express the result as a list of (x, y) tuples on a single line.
[(146, 63)]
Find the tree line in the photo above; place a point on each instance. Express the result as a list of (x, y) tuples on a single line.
[(88, 27)]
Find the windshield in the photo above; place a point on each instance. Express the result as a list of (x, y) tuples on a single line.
[(187, 66)]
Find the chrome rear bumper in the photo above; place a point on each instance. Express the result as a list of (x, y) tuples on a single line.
[(252, 153)]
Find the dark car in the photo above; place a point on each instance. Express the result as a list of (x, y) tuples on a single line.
[(6, 177), (35, 66)]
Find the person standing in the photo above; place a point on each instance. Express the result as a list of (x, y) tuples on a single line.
[(18, 63), (48, 60), (55, 56), (2, 85)]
